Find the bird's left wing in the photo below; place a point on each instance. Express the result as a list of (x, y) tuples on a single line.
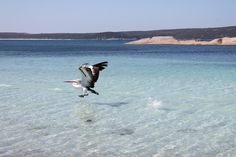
[(87, 77)]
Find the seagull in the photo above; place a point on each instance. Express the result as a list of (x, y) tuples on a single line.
[(90, 74)]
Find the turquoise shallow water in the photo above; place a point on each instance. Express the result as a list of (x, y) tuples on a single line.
[(155, 100)]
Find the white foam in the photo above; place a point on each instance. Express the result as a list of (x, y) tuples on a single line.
[(5, 85), (157, 155), (57, 89), (154, 103)]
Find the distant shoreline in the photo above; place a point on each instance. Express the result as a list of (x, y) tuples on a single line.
[(206, 34), (169, 40), (1, 39)]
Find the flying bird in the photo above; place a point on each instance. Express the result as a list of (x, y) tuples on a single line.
[(90, 75)]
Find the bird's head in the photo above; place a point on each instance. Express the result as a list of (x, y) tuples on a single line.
[(83, 66)]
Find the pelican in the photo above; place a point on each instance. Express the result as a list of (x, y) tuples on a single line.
[(90, 74)]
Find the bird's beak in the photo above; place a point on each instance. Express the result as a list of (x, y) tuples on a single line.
[(69, 81), (83, 65)]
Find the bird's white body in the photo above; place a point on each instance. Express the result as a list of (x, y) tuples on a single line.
[(77, 84)]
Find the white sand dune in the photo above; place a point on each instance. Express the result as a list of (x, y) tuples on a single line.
[(171, 40)]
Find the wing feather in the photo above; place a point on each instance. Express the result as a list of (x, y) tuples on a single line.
[(87, 77), (97, 68), (90, 76)]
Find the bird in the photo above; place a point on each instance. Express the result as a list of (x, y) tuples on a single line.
[(90, 75)]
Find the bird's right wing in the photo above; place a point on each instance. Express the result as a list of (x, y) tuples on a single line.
[(97, 68)]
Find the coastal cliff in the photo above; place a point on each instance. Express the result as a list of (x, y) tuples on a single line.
[(173, 41)]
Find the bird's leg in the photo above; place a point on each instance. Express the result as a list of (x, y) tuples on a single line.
[(83, 95), (93, 91), (85, 92)]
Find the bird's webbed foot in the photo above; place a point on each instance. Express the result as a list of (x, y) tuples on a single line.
[(93, 91), (96, 93), (83, 95)]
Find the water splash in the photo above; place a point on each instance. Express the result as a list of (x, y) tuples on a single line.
[(154, 103), (56, 89)]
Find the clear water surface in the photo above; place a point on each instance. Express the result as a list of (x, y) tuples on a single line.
[(155, 100)]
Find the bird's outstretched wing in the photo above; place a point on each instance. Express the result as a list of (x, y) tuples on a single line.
[(90, 74), (97, 68)]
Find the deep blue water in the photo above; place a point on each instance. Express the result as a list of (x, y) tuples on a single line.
[(155, 100)]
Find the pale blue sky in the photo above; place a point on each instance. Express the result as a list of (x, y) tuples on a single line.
[(79, 16)]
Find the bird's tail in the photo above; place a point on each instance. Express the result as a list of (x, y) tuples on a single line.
[(101, 65)]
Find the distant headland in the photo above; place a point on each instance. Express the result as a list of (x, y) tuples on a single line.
[(172, 41), (197, 34)]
